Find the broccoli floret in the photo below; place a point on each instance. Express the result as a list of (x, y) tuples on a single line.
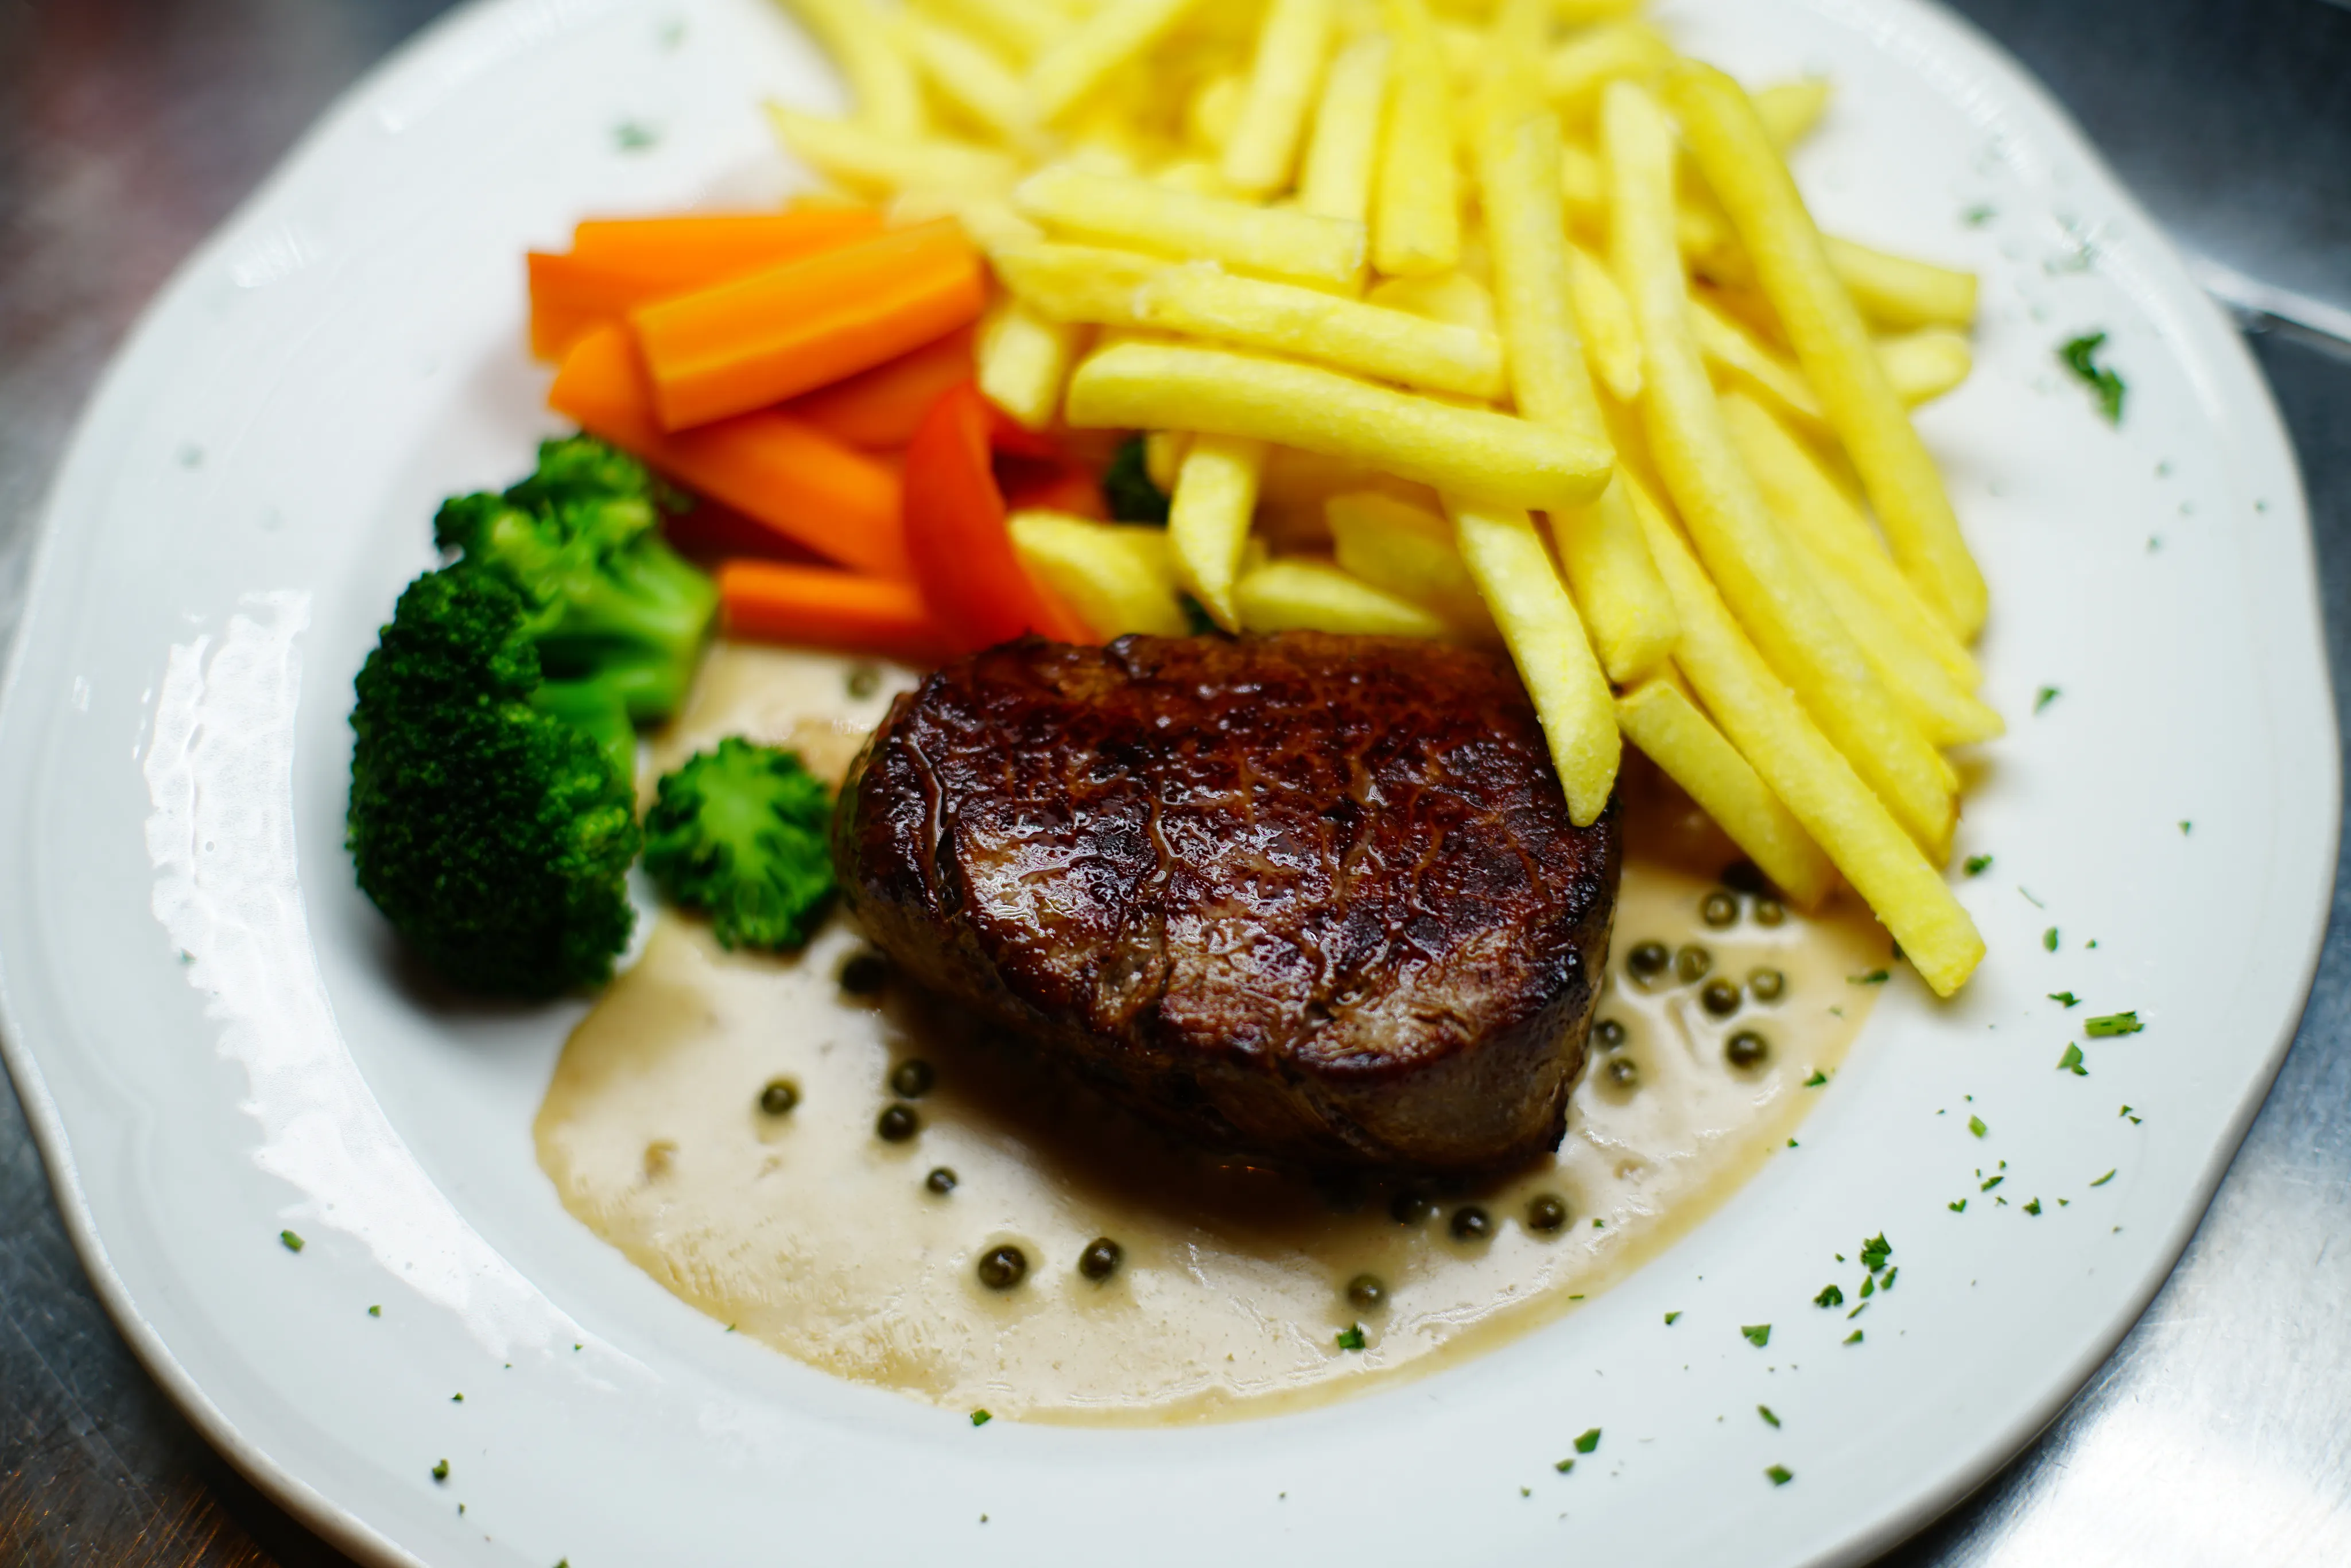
[(1127, 488), (609, 601), (742, 834), (491, 817)]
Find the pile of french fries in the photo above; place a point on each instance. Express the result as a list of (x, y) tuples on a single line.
[(1484, 320)]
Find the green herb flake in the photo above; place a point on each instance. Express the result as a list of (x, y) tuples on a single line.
[(1875, 1251), (1816, 1079), (1564, 1466), (2049, 939), (2072, 1062), (2034, 1208), (981, 1418), (2067, 998), (2045, 695), (1758, 1335), (456, 1399), (1853, 1338), (1868, 1287), (1994, 1182), (375, 1312), (440, 1471), (631, 137), (291, 1243), (1875, 978), (2103, 1179), (1975, 217), (1830, 1296), (1588, 1442), (1888, 1283), (2186, 827), (1976, 1125), (1526, 1492), (1351, 1337), (1781, 1475), (1771, 1420), (1959, 1207), (2080, 356), (2112, 1025), (1976, 865), (1670, 1317)]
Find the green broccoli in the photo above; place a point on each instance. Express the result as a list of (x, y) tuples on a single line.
[(493, 783), (742, 833)]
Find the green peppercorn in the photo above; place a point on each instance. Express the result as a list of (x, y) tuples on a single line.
[(865, 972), (1100, 1259), (1719, 998), (1747, 1050), (897, 1123), (1608, 1034), (941, 1180), (1691, 963), (863, 681), (1648, 960), (1408, 1208), (1621, 1072), (1367, 1293), (779, 1097), (1545, 1213), (1766, 985), (1718, 910), (1001, 1268), (1769, 912), (1471, 1223), (1744, 876), (912, 1079)]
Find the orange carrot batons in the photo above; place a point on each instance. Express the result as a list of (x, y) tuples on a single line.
[(781, 471), (880, 408), (818, 607), (776, 334)]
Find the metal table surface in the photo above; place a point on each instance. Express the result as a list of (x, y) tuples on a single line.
[(2220, 1430)]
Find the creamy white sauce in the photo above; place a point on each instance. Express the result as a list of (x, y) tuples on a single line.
[(808, 1231)]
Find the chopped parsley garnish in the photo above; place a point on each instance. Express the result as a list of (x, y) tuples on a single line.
[(2044, 696), (291, 1243), (2080, 356), (1975, 217), (456, 1399), (1588, 1442), (1758, 1335), (2185, 827), (2126, 1111), (2034, 1208), (1816, 1079), (1770, 1419), (631, 137), (1830, 1296), (1875, 1251), (1959, 1207), (2111, 1025), (1991, 1182), (1564, 1466), (1888, 1283), (440, 1471), (1351, 1337), (1781, 1475), (1868, 1288), (375, 1312), (2072, 1062), (1875, 978), (981, 1418), (1853, 1338), (2103, 1179), (1670, 1317), (1976, 1125), (2067, 998), (1976, 865), (2049, 939)]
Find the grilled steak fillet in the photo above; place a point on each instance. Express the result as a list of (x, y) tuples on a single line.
[(1304, 896)]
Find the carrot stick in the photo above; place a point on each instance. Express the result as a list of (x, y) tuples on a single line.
[(792, 329), (782, 471), (616, 264), (881, 407), (818, 607)]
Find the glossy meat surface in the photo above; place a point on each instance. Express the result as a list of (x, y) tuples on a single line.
[(1304, 896)]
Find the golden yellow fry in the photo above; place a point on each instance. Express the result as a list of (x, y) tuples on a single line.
[(1112, 36), (1020, 28), (1924, 365), (1299, 247), (1341, 156), (1658, 717), (1474, 452), (1899, 293), (1791, 109), (1115, 576), (1507, 560), (1623, 600), (858, 155), (1209, 517), (989, 218), (1831, 343), (1584, 13), (1610, 339), (1778, 603), (1583, 187), (1771, 729), (1206, 301), (858, 36), (1416, 213), (1406, 550), (1076, 283), (1262, 151), (1580, 68), (1811, 507), (1024, 362), (1741, 359), (971, 76), (1526, 231), (1196, 176), (1162, 458), (1213, 112), (1454, 297), (1298, 594)]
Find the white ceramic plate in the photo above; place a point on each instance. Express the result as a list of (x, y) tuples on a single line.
[(213, 1039)]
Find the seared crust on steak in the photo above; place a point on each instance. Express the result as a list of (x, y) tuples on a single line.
[(1305, 896)]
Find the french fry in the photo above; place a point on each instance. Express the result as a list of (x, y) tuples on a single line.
[(1162, 458), (1416, 216), (1294, 246), (971, 76), (1624, 601), (1924, 365), (1899, 293), (1261, 153), (1739, 359), (1771, 728), (1659, 718), (1584, 13), (1208, 517), (1076, 283), (1213, 114), (1024, 362), (1089, 52), (1016, 27), (1527, 234), (986, 216), (1811, 507), (1342, 156), (1507, 560), (866, 158), (1777, 602), (1298, 594), (1576, 70), (1610, 337), (1406, 550), (1791, 109), (1582, 186), (1473, 452), (1454, 297), (1114, 576), (1831, 343), (860, 42), (1206, 301)]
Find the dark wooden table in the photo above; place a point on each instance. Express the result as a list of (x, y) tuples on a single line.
[(129, 128)]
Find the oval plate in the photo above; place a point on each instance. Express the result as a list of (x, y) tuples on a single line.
[(215, 1040)]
